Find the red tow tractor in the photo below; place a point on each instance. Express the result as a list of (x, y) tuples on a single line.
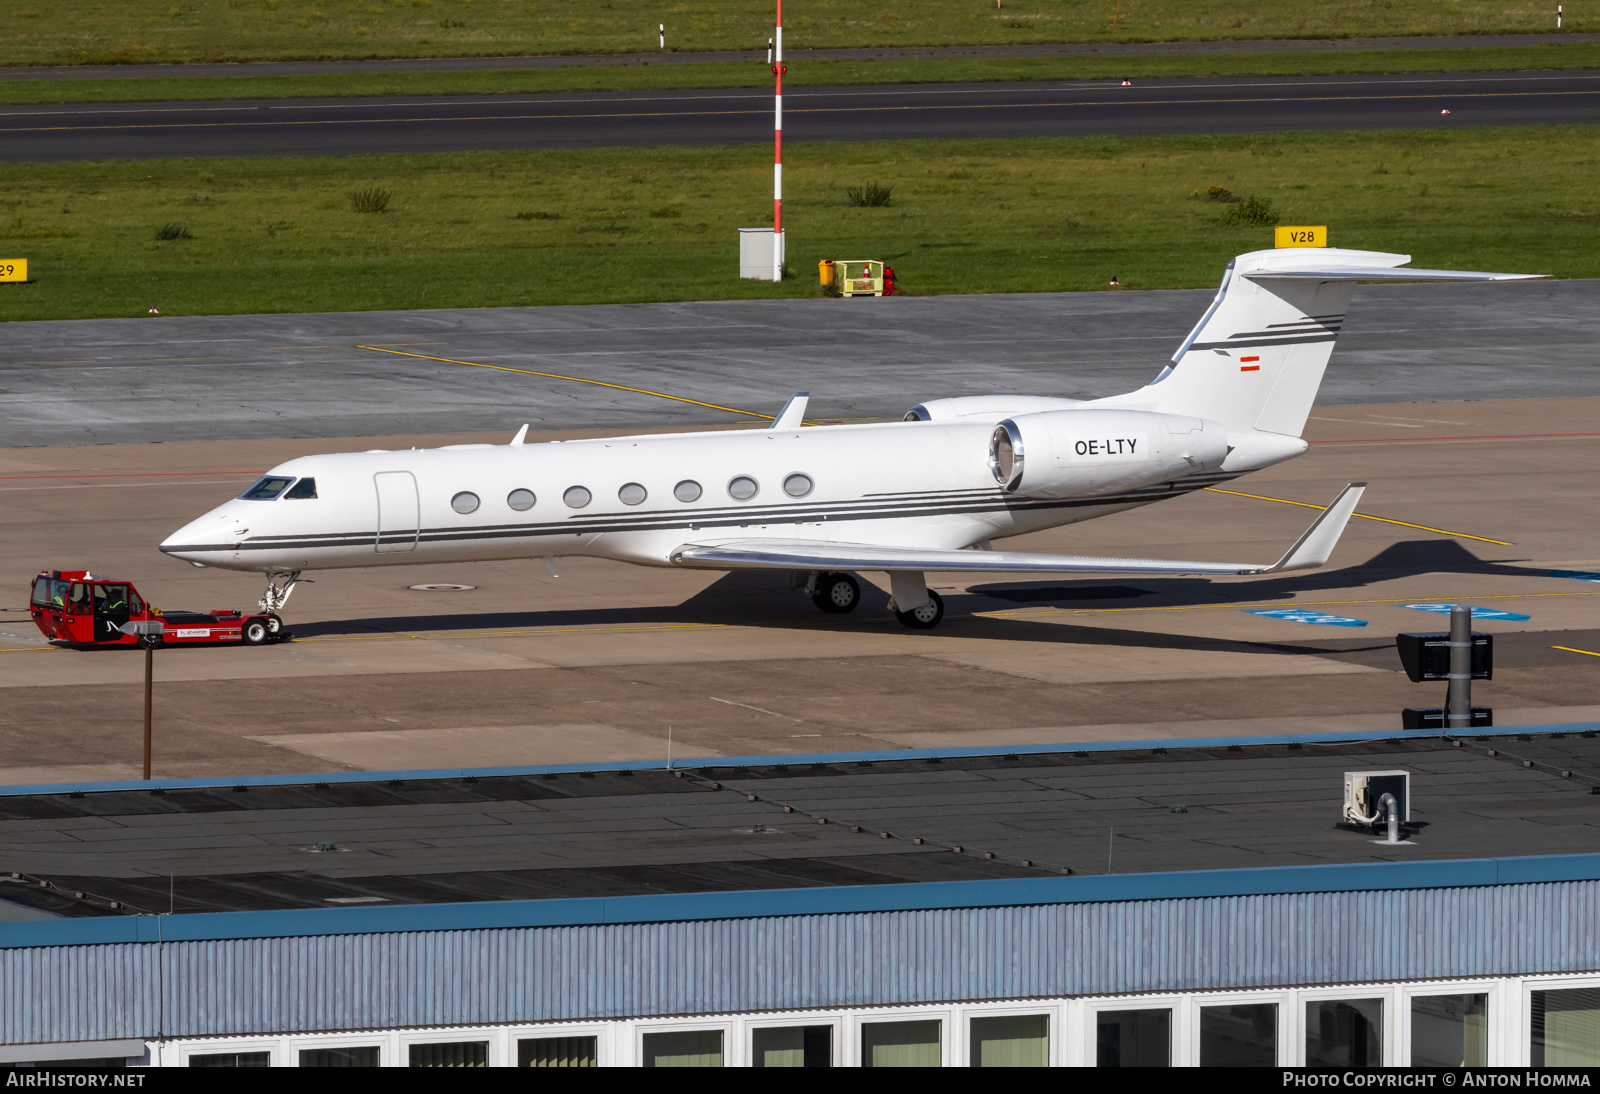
[(78, 607)]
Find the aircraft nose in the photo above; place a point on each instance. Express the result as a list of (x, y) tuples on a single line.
[(204, 540)]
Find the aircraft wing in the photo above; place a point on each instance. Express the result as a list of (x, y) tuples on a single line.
[(1309, 551)]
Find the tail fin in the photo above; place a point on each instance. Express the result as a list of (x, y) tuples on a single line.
[(1255, 360)]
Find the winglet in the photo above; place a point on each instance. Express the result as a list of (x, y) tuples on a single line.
[(1313, 548), (521, 433), (793, 412)]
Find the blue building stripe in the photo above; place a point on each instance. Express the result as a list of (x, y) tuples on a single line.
[(777, 903)]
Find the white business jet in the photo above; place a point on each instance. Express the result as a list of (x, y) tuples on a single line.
[(930, 492)]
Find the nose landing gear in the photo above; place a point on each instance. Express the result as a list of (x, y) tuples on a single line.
[(279, 586)]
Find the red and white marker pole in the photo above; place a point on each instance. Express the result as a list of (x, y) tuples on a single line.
[(777, 150)]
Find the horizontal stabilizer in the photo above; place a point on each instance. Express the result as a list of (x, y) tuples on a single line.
[(1385, 273), (1311, 550)]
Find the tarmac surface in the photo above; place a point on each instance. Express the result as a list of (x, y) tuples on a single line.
[(792, 55), (843, 821), (1490, 503), (353, 126), (236, 378)]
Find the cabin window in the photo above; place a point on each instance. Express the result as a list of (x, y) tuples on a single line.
[(78, 598), (268, 488), (464, 502), (521, 500), (687, 490), (305, 488), (577, 496), (742, 488), (632, 494), (798, 485)]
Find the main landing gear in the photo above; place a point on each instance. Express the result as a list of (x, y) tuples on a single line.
[(841, 592)]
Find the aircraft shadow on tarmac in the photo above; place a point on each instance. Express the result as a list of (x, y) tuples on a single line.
[(768, 599)]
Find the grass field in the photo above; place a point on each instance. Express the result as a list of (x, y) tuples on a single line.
[(811, 73), (505, 228), (119, 31)]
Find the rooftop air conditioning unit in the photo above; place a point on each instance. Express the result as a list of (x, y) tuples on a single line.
[(1364, 789)]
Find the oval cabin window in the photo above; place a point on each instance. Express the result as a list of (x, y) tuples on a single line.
[(742, 488), (632, 494), (521, 500), (798, 485), (687, 490), (577, 496), (464, 502)]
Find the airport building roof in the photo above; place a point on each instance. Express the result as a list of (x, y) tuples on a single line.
[(748, 825)]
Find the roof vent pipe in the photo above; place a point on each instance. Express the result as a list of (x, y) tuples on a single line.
[(1390, 809)]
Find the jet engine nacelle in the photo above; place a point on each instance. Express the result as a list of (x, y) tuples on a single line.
[(1065, 453)]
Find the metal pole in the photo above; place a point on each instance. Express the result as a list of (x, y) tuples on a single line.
[(777, 149), (662, 28), (149, 671), (1458, 696)]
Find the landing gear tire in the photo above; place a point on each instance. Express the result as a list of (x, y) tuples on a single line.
[(926, 617), (837, 593), (274, 624), (254, 632)]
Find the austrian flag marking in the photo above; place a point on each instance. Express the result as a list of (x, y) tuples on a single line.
[(1243, 367)]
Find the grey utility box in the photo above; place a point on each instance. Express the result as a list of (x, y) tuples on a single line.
[(1363, 789), (757, 259)]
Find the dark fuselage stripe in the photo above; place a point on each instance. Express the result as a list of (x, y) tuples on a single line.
[(697, 522)]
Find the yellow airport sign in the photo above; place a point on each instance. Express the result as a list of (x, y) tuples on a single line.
[(13, 269), (1301, 236)]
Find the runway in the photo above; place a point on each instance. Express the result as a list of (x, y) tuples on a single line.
[(312, 127), (129, 381)]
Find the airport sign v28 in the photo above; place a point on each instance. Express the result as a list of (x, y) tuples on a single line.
[(13, 269)]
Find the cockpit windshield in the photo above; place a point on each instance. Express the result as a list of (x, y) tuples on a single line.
[(268, 488)]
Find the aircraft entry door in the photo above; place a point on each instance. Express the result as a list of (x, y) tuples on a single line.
[(398, 511)]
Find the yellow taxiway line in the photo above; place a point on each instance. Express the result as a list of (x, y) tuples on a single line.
[(1276, 604), (574, 379), (516, 634), (1363, 516), (1569, 649)]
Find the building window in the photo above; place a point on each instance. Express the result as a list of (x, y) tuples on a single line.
[(1566, 1028), (359, 1056), (1245, 1035), (232, 1059), (556, 1052), (451, 1054), (1133, 1038), (900, 1044), (1344, 1033), (688, 1048), (1449, 1030), (1021, 1040), (792, 1046)]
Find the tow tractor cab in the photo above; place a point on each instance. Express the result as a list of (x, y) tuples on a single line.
[(78, 607)]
